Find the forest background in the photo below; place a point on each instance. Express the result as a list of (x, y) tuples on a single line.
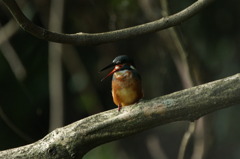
[(211, 40)]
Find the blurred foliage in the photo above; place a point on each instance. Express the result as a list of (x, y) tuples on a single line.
[(212, 37)]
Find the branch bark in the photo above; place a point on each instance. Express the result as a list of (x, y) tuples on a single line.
[(99, 38), (76, 139)]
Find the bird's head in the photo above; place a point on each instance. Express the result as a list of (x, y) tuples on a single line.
[(119, 63)]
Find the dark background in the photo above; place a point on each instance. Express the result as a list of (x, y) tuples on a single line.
[(211, 38)]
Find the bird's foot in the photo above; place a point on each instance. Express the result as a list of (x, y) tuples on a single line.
[(119, 108)]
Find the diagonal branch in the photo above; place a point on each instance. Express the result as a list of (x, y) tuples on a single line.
[(99, 38), (76, 139)]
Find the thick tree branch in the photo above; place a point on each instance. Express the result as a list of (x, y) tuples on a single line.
[(99, 38), (76, 139)]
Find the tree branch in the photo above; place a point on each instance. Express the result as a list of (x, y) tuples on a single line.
[(76, 139), (99, 38)]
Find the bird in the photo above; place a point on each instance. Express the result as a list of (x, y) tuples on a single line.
[(126, 81)]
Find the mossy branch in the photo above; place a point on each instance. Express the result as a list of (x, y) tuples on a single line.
[(76, 139)]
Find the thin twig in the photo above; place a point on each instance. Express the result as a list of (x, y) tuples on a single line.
[(199, 140), (14, 61), (183, 66), (8, 30), (155, 148), (185, 140), (55, 67)]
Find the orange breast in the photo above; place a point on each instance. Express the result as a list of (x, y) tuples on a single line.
[(126, 88)]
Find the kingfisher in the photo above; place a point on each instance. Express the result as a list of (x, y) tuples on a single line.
[(126, 81)]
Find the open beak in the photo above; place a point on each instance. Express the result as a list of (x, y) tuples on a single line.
[(116, 68)]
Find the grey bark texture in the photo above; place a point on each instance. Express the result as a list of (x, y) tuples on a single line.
[(76, 139)]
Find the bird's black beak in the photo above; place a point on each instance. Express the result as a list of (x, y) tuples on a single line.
[(108, 66)]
